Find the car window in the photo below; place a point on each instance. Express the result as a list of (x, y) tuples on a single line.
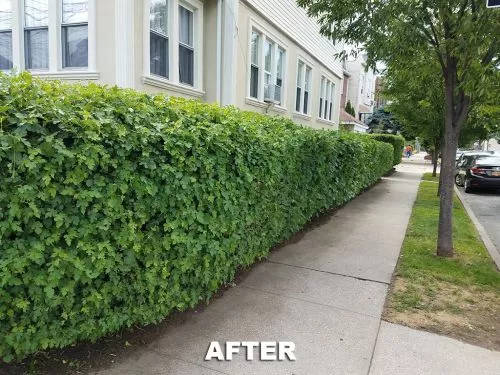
[(478, 158), (467, 160)]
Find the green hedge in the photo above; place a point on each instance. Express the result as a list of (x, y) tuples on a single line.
[(397, 142), (117, 207)]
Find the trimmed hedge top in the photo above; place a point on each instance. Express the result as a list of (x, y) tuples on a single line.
[(118, 207), (397, 142)]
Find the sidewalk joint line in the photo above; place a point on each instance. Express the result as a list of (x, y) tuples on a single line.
[(162, 354), (311, 302), (374, 347), (331, 273)]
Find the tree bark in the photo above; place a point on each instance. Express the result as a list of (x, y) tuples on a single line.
[(456, 111), (435, 160)]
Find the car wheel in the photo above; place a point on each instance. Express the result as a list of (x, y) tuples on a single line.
[(458, 180), (468, 188)]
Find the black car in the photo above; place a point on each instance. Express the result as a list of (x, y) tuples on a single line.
[(478, 171)]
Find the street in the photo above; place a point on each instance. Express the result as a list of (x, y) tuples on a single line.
[(486, 206)]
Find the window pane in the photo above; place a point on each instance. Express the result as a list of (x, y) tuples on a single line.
[(36, 13), (299, 73), (5, 14), (74, 11), (268, 48), (280, 61), (277, 93), (254, 82), (255, 48), (186, 65), (308, 79), (320, 106), (298, 99), (306, 101), (185, 26), (36, 48), (158, 16), (158, 55), (75, 46), (6, 50)]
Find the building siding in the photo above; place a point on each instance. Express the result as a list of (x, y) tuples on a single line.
[(287, 15), (249, 16)]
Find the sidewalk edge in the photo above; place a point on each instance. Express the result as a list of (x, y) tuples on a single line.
[(488, 243)]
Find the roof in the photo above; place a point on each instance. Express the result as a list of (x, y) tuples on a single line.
[(347, 118)]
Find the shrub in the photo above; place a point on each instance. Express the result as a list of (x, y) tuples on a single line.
[(118, 207), (397, 142)]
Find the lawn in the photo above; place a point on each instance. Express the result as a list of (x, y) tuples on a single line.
[(459, 296)]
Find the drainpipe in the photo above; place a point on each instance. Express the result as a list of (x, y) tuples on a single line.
[(218, 52)]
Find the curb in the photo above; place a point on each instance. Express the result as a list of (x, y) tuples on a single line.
[(488, 243)]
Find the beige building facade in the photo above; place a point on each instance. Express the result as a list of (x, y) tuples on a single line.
[(361, 87), (263, 56)]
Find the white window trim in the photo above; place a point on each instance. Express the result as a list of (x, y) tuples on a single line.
[(55, 69), (264, 35), (306, 64), (173, 83), (330, 96)]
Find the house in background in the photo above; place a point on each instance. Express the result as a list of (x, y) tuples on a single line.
[(380, 100), (264, 56), (349, 121), (361, 92)]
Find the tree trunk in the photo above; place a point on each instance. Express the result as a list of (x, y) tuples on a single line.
[(445, 232), (456, 112), (435, 161)]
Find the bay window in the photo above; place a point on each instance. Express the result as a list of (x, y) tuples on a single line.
[(6, 35), (304, 82), (36, 34)]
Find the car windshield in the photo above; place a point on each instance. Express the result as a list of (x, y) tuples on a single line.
[(489, 161)]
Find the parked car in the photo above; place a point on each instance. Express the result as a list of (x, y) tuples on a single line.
[(460, 153), (472, 153), (479, 171)]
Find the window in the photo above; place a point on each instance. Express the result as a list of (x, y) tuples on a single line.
[(173, 50), (304, 82), (36, 34), (280, 73), (158, 38), (6, 35), (50, 36), (307, 88), (254, 66), (268, 88), (74, 31), (186, 46), (267, 63), (326, 97), (322, 96)]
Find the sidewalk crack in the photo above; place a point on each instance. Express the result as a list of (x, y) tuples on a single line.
[(331, 273)]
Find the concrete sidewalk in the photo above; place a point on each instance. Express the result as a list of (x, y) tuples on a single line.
[(326, 294)]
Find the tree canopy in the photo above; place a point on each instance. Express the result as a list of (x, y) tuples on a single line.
[(461, 36)]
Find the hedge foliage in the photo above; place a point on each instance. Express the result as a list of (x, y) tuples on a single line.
[(118, 207), (397, 142)]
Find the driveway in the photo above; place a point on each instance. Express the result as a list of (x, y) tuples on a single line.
[(486, 207)]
